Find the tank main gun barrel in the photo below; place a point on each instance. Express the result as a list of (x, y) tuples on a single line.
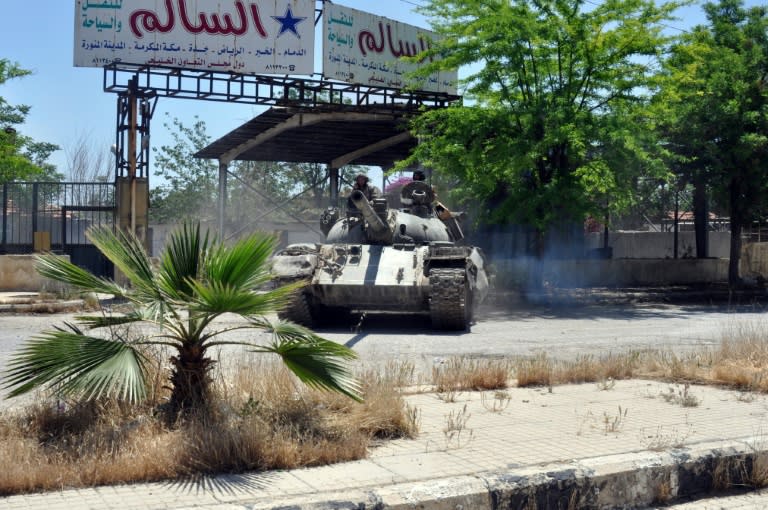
[(378, 229)]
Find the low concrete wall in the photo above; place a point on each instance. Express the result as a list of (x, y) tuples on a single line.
[(17, 273), (659, 245), (615, 272), (640, 272), (754, 260)]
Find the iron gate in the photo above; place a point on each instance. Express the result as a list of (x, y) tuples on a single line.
[(55, 216)]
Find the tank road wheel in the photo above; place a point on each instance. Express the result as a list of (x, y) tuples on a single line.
[(450, 302), (299, 310)]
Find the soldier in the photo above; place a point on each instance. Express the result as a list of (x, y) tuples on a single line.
[(361, 184), (417, 196)]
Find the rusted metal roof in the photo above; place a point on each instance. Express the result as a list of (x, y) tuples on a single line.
[(376, 138)]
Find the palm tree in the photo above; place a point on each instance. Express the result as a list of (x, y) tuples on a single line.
[(197, 280)]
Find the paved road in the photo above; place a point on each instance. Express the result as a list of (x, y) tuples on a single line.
[(564, 330)]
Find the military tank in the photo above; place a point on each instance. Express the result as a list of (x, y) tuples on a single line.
[(380, 259)]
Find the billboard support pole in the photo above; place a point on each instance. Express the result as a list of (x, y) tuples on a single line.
[(134, 111), (132, 114), (222, 195)]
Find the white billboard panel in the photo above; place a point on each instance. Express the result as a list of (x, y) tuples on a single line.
[(359, 47), (256, 36)]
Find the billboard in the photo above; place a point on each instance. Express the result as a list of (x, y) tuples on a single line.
[(256, 36), (362, 48)]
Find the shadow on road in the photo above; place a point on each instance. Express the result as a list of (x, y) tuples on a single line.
[(629, 304), (616, 304)]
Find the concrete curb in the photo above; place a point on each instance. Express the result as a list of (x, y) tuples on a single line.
[(636, 480), (42, 306)]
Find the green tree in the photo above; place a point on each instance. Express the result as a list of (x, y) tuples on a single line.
[(188, 187), (197, 281), (713, 99), (553, 126), (21, 158)]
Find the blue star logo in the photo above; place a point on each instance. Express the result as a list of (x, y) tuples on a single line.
[(288, 22)]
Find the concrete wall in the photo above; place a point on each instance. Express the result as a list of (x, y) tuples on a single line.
[(659, 245), (18, 274), (754, 260), (614, 272)]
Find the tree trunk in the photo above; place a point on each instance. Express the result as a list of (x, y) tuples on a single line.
[(190, 381), (701, 217), (734, 280)]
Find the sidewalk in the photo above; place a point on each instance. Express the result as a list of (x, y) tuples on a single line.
[(579, 446)]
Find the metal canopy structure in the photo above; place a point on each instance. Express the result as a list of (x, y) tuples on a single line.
[(377, 137), (264, 90), (309, 120), (303, 135)]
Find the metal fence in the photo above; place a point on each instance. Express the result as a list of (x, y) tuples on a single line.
[(57, 216)]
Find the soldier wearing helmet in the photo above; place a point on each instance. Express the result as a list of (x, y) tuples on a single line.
[(361, 184)]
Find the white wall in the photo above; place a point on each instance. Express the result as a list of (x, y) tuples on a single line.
[(659, 245)]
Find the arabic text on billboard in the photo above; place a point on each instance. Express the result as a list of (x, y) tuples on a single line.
[(359, 47), (257, 36)]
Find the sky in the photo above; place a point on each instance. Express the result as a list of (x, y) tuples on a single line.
[(69, 104)]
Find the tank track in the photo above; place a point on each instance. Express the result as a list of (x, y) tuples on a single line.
[(298, 310), (450, 303)]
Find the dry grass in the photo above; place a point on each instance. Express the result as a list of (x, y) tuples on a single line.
[(742, 472), (542, 370), (739, 362), (471, 374), (264, 419), (742, 359)]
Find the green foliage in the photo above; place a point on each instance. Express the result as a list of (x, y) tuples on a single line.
[(21, 158), (198, 280), (189, 185), (552, 126), (713, 109)]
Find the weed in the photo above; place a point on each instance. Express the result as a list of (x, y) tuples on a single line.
[(536, 371), (746, 397), (681, 397), (663, 439), (663, 492), (608, 423), (758, 477), (400, 374), (606, 384), (497, 403), (614, 423), (465, 374), (543, 371), (455, 430)]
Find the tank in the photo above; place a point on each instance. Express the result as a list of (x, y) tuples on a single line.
[(380, 259)]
